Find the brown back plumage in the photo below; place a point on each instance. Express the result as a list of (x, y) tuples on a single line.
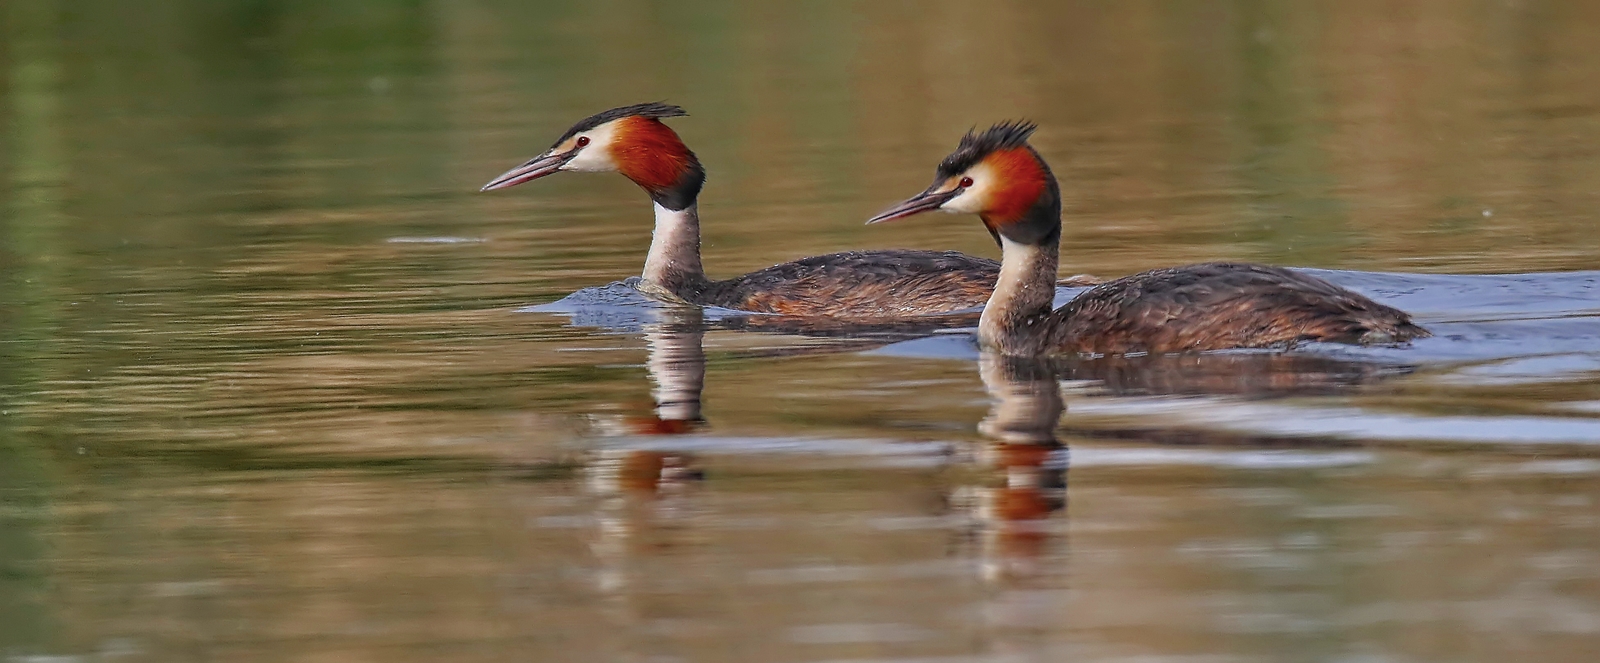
[(1219, 305), (860, 284)]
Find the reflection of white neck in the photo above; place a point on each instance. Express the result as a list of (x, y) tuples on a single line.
[(674, 259), (677, 365), (1024, 293), (1026, 407)]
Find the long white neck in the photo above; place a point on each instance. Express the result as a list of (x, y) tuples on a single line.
[(1022, 297), (674, 259)]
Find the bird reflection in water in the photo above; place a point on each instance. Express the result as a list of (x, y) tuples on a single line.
[(1024, 465), (677, 367), (645, 507), (1247, 374), (1016, 505), (649, 524)]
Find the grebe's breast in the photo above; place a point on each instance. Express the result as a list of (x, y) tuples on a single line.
[(1215, 306), (863, 284)]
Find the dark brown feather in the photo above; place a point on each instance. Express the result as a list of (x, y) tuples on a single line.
[(860, 284), (1215, 306)]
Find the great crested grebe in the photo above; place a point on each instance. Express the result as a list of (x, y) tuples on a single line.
[(633, 141), (998, 176)]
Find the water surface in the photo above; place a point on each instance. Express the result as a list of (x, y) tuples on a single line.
[(270, 389)]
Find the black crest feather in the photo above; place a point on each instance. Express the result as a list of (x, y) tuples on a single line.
[(653, 109), (975, 146)]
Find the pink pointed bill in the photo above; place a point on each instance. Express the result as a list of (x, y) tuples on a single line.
[(926, 201), (534, 169)]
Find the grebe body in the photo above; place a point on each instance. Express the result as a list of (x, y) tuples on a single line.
[(1210, 306), (633, 141), (864, 284), (998, 176)]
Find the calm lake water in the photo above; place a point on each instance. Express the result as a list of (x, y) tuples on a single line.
[(277, 384)]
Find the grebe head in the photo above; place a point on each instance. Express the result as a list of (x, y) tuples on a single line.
[(630, 140), (998, 176)]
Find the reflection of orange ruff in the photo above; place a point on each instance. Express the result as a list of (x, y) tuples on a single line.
[(640, 471), (648, 425), (1017, 510), (1008, 455), (1021, 504)]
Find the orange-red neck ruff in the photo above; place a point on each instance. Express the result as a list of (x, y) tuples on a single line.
[(1020, 180), (650, 153)]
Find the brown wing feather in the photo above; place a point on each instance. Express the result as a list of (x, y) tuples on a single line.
[(862, 284), (1221, 305)]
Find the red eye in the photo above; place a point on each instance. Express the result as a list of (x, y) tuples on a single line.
[(583, 140), (965, 182)]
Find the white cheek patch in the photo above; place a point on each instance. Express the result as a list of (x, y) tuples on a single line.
[(976, 198), (596, 156), (969, 202)]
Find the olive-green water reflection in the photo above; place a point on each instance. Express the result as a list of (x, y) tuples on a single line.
[(262, 395)]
